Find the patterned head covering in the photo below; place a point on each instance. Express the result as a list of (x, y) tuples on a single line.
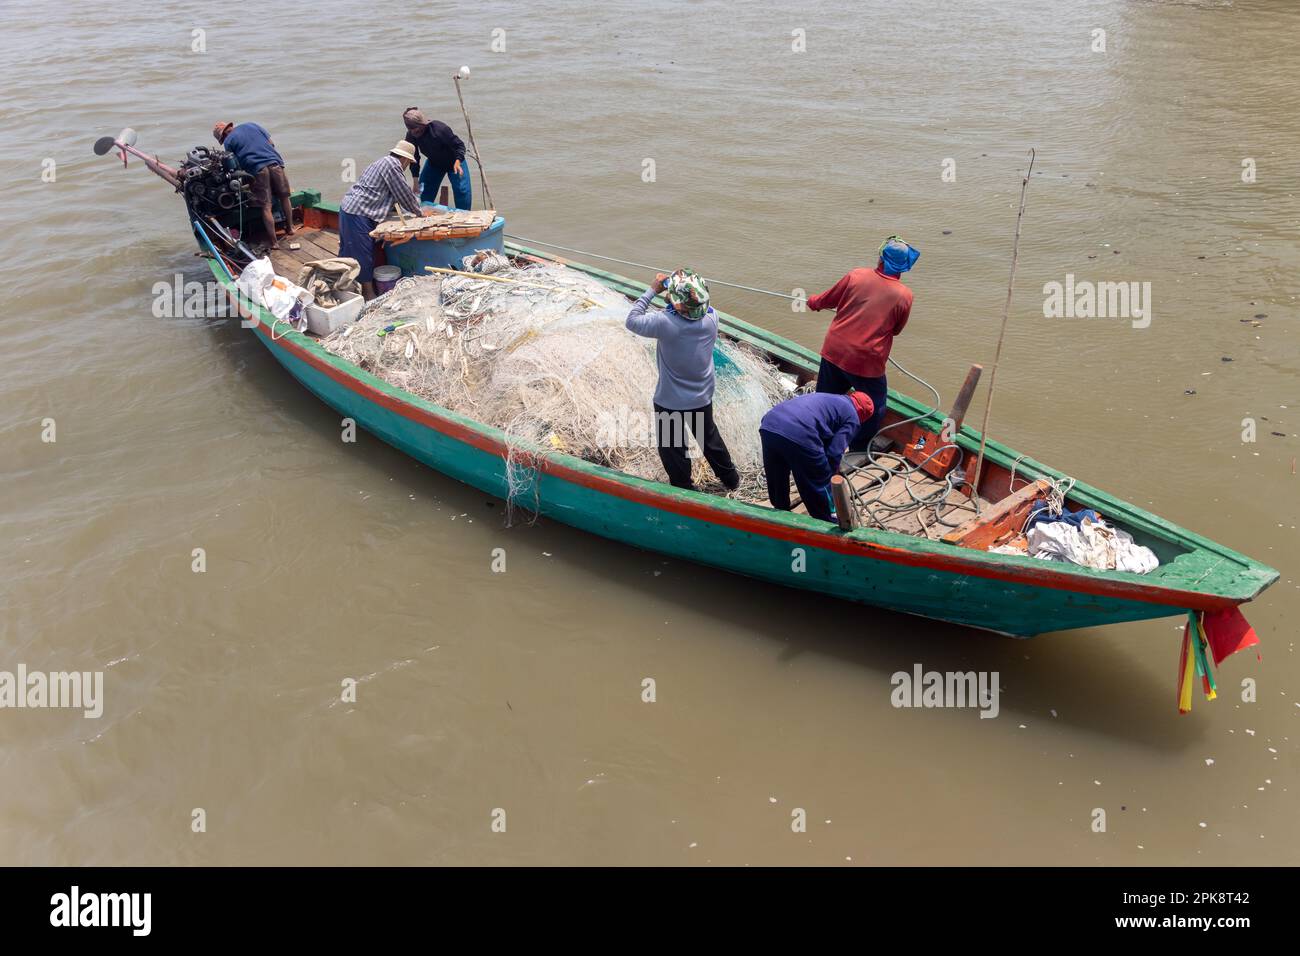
[(687, 293), (897, 255), (220, 129)]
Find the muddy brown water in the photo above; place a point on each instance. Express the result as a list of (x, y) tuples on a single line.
[(522, 691)]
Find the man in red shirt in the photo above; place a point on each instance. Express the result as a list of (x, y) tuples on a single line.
[(871, 307)]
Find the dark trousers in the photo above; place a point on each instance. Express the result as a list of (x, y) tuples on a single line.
[(355, 243), (812, 475), (671, 426), (832, 378)]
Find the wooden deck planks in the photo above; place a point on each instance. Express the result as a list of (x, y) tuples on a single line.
[(314, 244)]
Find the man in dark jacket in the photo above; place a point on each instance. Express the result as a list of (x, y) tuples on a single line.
[(807, 436), (444, 156)]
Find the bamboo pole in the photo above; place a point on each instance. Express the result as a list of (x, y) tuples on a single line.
[(1006, 314), (473, 145)]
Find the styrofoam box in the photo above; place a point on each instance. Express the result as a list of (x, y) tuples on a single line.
[(323, 321)]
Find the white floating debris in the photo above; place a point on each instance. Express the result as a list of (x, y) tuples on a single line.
[(1202, 825), (1209, 761)]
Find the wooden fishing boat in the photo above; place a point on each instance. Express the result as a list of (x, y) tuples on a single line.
[(954, 579), (1009, 594)]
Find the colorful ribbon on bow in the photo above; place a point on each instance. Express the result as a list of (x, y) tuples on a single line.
[(1223, 632)]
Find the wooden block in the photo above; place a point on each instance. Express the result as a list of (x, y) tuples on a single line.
[(919, 449), (305, 198), (1007, 515), (845, 513)]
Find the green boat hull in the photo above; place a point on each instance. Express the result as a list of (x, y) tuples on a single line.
[(1007, 594)]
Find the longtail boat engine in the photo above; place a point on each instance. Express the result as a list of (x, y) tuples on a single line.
[(214, 185)]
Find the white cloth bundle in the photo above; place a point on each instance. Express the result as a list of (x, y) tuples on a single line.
[(1092, 544), (259, 282)]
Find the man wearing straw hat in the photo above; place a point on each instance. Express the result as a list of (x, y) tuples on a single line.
[(684, 334), (366, 204)]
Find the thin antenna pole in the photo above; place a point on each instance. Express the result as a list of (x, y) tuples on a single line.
[(1006, 314), (473, 145)]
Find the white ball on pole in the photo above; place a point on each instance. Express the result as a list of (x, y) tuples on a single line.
[(464, 73)]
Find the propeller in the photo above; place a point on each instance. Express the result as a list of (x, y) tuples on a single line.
[(124, 143)]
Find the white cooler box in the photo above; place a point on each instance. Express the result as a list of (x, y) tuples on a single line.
[(323, 321)]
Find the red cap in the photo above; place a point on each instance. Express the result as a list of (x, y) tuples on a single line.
[(863, 403)]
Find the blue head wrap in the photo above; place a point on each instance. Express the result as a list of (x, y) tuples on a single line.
[(897, 255)]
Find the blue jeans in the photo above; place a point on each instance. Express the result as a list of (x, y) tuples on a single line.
[(832, 378), (461, 190)]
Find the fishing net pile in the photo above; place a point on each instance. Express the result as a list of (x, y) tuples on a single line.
[(542, 353)]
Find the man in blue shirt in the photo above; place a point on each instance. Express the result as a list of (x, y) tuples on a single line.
[(253, 150), (684, 334), (807, 436)]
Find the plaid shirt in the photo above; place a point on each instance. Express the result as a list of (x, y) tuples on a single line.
[(380, 186)]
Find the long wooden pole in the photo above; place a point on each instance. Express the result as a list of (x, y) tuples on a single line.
[(474, 146), (1006, 313)]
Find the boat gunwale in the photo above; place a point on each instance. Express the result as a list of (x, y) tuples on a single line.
[(868, 543)]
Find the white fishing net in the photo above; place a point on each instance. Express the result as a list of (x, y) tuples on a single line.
[(542, 352)]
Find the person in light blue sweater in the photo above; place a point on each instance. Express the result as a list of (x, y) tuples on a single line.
[(684, 335)]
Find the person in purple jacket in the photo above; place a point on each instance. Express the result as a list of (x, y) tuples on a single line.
[(806, 436)]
